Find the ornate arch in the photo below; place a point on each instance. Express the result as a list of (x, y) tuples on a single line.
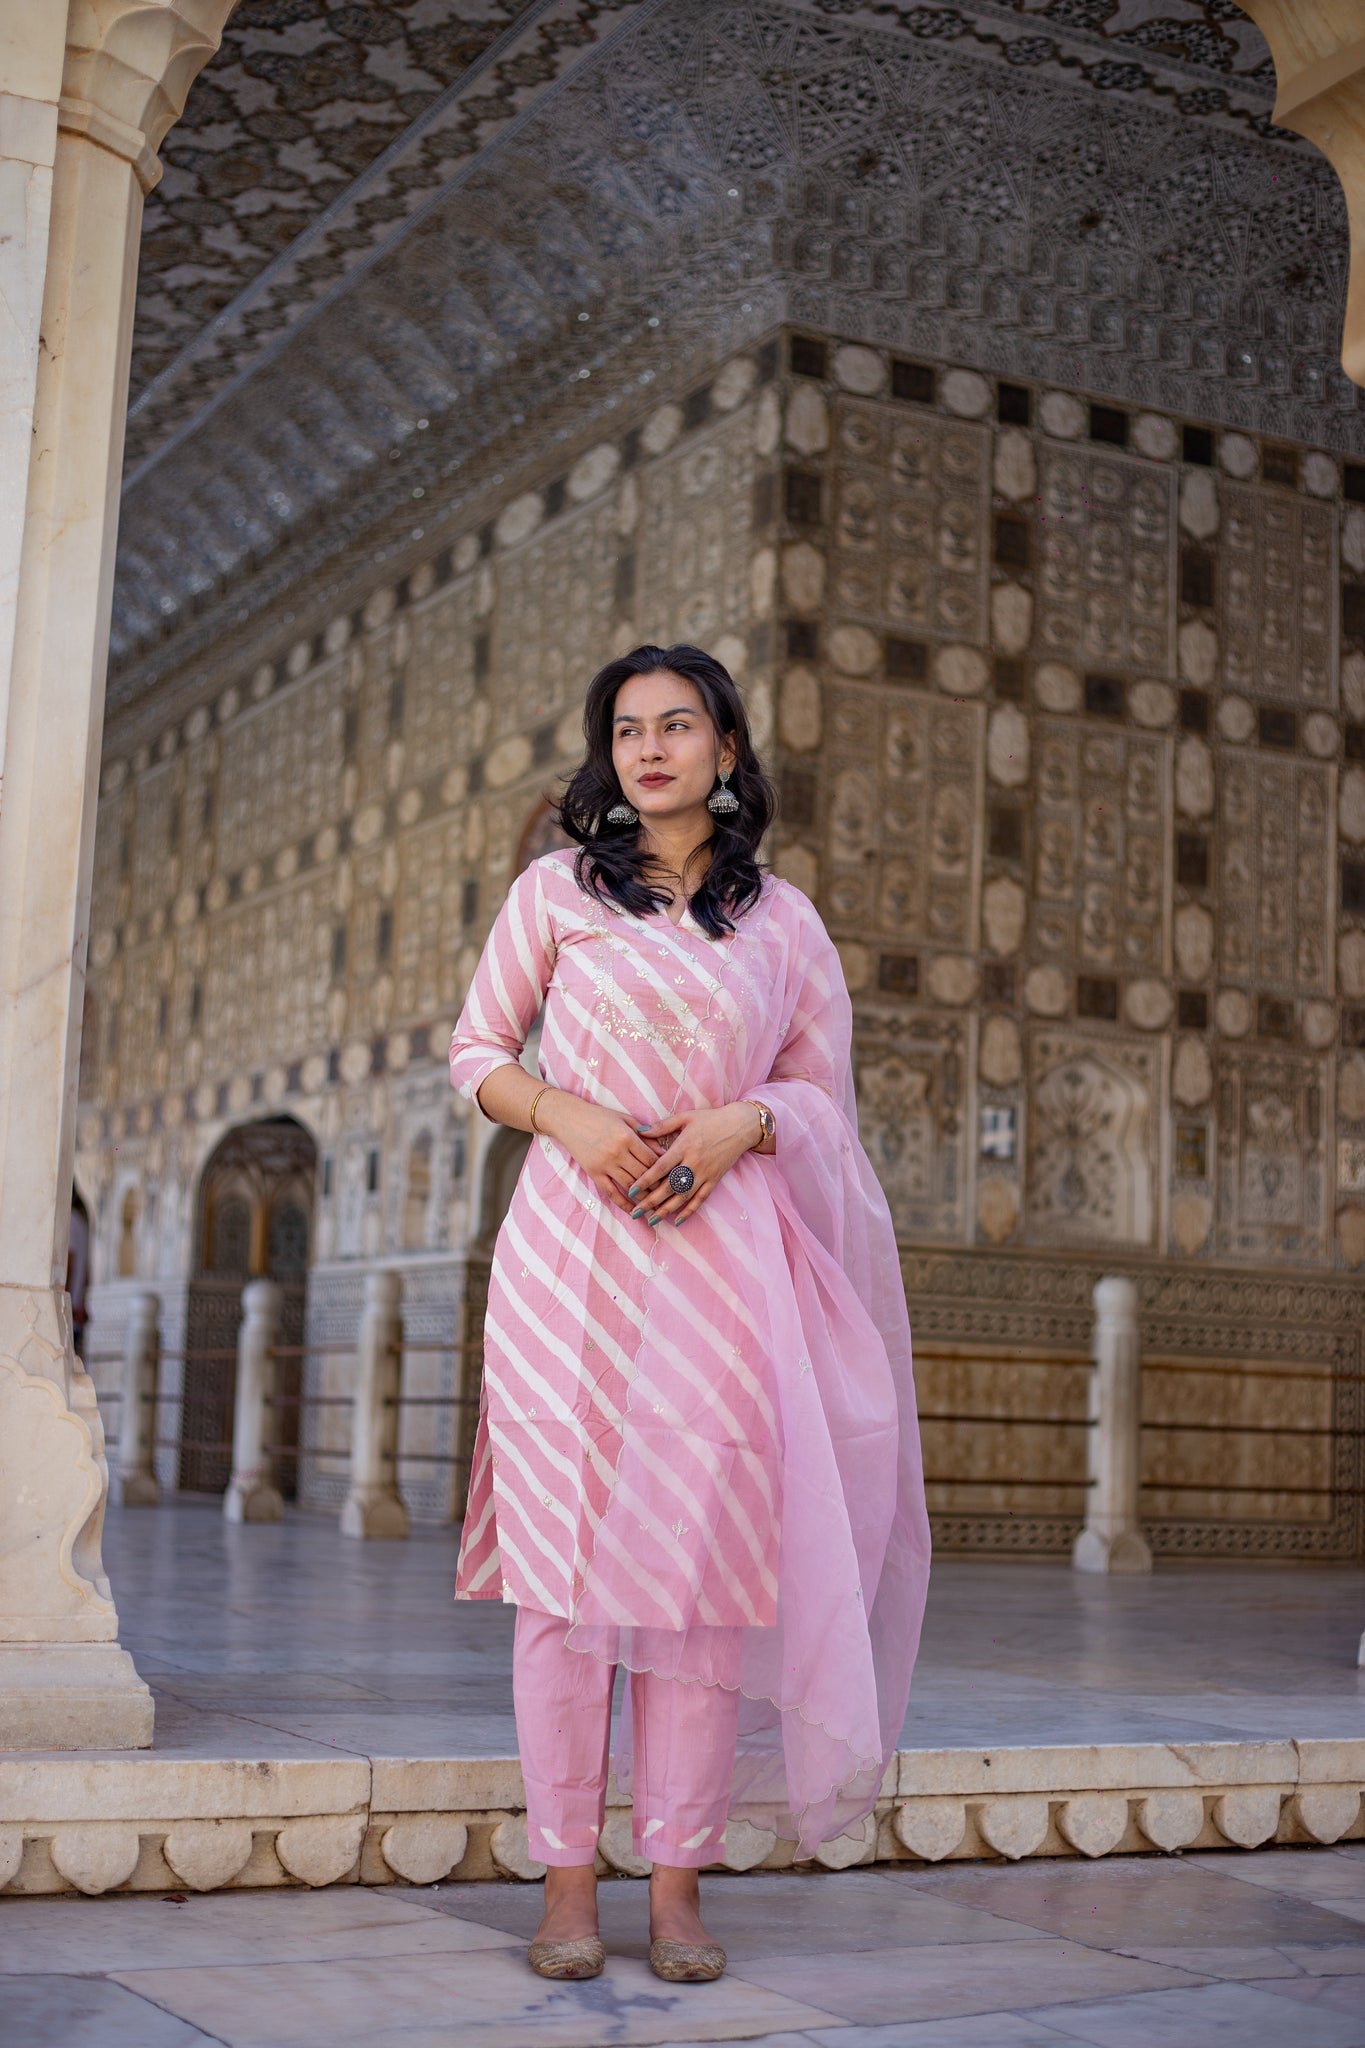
[(128, 71)]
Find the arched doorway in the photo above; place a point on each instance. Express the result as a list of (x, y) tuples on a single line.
[(255, 1221)]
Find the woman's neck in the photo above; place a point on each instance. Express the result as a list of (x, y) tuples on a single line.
[(680, 849)]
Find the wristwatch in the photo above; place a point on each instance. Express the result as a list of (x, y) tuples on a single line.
[(767, 1123)]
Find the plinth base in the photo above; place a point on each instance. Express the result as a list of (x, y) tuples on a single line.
[(72, 1696), (1125, 1552), (380, 1515)]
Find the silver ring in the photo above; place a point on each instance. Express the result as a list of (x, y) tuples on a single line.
[(682, 1180)]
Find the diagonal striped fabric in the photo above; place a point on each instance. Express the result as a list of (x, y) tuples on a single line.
[(689, 1433)]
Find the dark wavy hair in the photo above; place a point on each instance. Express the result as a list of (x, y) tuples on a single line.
[(612, 862)]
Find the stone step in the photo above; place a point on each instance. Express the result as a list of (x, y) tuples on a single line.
[(97, 1822)]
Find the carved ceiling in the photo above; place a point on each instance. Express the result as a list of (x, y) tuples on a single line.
[(1081, 191), (1212, 33), (300, 100)]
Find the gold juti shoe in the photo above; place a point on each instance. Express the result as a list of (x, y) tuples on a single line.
[(687, 1962), (584, 1957)]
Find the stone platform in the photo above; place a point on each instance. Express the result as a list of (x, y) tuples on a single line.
[(326, 1714)]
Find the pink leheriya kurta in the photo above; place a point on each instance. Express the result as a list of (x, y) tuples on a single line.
[(695, 1431)]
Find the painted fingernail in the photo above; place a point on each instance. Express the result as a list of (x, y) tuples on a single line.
[(678, 1222), (636, 1212), (631, 1193), (655, 1221)]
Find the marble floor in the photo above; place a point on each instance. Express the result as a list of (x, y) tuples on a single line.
[(1238, 1950), (290, 1640)]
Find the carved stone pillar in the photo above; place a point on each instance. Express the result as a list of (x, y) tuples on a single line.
[(1112, 1540), (1319, 52), (373, 1505), (80, 122), (135, 1480), (252, 1494)]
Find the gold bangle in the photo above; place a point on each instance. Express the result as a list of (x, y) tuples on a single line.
[(535, 1105)]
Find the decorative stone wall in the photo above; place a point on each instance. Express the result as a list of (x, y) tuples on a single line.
[(1072, 725), (1066, 703)]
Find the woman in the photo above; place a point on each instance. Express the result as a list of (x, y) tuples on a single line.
[(697, 1454)]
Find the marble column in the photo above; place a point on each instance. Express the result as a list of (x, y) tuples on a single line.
[(87, 93), (1112, 1539), (1319, 52), (135, 1479), (252, 1495), (373, 1506)]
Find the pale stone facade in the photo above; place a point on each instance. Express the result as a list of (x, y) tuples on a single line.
[(1066, 703)]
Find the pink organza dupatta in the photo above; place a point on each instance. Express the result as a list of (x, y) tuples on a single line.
[(819, 1465)]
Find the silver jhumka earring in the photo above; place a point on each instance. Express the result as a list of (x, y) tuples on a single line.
[(622, 814), (722, 802)]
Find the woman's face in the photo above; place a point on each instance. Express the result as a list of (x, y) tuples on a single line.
[(664, 747)]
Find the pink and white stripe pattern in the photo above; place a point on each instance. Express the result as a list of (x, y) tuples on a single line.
[(691, 1432)]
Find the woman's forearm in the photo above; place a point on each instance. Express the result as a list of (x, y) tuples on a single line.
[(506, 1097)]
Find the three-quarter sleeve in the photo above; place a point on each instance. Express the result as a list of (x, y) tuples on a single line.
[(508, 987)]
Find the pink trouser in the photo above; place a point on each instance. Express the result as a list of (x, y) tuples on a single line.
[(684, 1752)]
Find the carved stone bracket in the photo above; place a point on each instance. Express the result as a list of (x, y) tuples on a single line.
[(1319, 52), (129, 68)]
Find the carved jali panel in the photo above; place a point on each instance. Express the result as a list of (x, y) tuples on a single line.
[(1276, 871), (268, 975), (691, 568), (1277, 594), (555, 603), (430, 888), (1274, 1111), (437, 722), (912, 1075), (156, 836), (904, 777), (300, 734), (1101, 859), (910, 523), (1106, 538), (1093, 1144)]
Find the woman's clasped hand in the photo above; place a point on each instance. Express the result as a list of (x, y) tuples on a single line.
[(629, 1164), (709, 1141)]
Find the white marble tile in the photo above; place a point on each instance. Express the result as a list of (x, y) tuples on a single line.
[(1132, 1902), (758, 1916), (86, 2012), (1317, 1874), (1329, 1962), (1212, 2016), (982, 2030), (1233, 1964), (1015, 1656), (963, 1977), (433, 2000), (1324, 1994), (147, 1932)]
